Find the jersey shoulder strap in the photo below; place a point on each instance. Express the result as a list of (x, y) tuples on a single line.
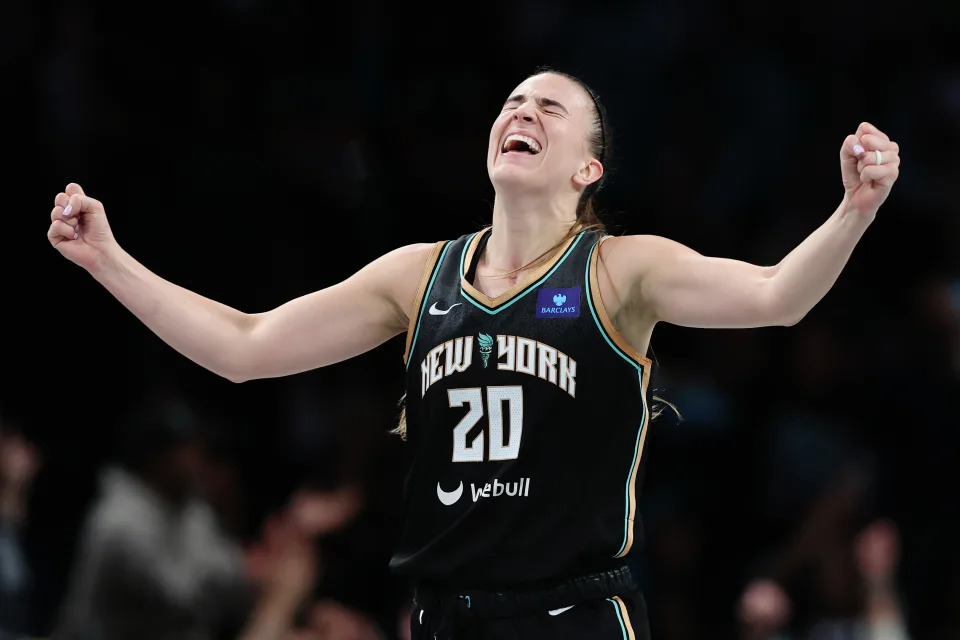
[(427, 278)]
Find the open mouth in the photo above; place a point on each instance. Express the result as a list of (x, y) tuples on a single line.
[(516, 143)]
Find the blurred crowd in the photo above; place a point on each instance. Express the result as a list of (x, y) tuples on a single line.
[(160, 553), (241, 147)]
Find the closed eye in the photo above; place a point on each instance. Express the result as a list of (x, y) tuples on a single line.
[(548, 112), (555, 108)]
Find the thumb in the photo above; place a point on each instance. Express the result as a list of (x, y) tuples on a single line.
[(851, 152)]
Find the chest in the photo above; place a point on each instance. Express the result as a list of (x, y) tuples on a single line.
[(495, 285)]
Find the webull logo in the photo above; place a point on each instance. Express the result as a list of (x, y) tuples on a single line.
[(495, 489)]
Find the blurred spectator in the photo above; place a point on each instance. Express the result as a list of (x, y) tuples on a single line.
[(285, 563), (323, 513), (331, 620), (764, 610), (877, 551), (153, 561), (823, 586), (220, 481), (19, 462)]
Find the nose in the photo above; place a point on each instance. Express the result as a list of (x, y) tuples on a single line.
[(526, 113)]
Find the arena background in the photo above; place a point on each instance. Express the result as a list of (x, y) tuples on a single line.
[(254, 151)]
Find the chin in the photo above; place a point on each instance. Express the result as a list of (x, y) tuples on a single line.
[(513, 177)]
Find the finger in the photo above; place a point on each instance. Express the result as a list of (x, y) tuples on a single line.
[(872, 142), (82, 204), (851, 149), (877, 158), (884, 174), (60, 230), (73, 189), (62, 202), (57, 214), (866, 127)]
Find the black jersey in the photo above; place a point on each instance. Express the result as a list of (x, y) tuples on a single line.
[(527, 416)]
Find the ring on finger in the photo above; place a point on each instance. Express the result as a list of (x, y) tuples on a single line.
[(879, 157)]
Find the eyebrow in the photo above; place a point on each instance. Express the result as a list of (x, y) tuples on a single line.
[(543, 102)]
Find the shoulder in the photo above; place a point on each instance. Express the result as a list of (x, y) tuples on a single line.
[(397, 275), (412, 255), (639, 242), (630, 256), (403, 263)]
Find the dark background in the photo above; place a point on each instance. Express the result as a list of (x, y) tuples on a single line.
[(254, 151)]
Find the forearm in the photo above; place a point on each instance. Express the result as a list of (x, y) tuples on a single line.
[(271, 618), (211, 334), (808, 272)]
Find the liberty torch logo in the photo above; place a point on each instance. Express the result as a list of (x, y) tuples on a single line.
[(486, 346)]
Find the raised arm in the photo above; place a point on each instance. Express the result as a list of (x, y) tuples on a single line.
[(318, 329), (675, 284)]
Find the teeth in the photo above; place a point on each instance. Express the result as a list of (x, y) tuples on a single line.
[(530, 142)]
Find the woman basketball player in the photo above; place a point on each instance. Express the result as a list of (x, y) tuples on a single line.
[(526, 380)]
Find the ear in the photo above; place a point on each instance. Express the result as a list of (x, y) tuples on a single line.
[(588, 173)]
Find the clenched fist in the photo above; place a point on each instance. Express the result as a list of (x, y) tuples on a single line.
[(79, 228), (869, 165)]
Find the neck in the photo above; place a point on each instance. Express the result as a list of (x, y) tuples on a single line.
[(524, 228)]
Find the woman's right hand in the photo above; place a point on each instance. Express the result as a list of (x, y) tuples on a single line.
[(79, 229)]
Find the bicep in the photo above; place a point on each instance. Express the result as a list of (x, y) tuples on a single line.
[(340, 321), (683, 287)]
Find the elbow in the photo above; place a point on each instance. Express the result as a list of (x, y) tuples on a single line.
[(791, 320), (231, 371), (238, 367), (237, 358), (780, 309), (787, 313)]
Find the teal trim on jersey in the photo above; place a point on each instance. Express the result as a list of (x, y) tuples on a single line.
[(423, 302), (643, 422), (463, 254), (517, 297), (596, 319), (633, 463), (623, 624)]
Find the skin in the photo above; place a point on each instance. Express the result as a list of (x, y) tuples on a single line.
[(646, 280)]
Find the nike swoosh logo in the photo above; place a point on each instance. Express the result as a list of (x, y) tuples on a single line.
[(442, 312), (449, 497), (556, 612)]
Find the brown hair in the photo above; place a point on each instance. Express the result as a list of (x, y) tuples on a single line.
[(599, 140)]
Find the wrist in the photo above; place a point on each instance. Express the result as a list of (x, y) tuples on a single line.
[(272, 617), (109, 264), (281, 602), (853, 216)]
